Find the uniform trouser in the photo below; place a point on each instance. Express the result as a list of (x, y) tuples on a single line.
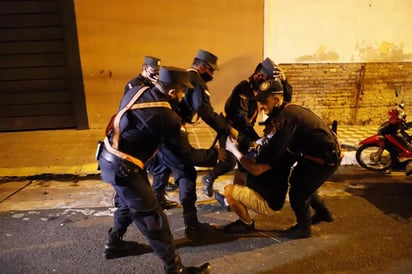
[(222, 167), (161, 174), (184, 174), (305, 179), (137, 203)]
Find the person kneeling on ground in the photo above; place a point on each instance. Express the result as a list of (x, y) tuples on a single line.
[(298, 138)]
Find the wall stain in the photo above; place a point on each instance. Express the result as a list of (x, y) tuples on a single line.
[(320, 55), (385, 52)]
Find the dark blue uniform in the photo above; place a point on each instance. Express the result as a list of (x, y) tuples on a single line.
[(142, 132), (196, 100), (139, 80), (300, 135), (241, 112)]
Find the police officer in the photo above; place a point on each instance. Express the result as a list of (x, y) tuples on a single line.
[(196, 100), (297, 136), (241, 112), (149, 74), (148, 77), (144, 122)]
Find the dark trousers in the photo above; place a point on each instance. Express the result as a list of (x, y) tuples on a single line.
[(161, 174), (223, 167), (184, 173), (136, 203), (305, 179)]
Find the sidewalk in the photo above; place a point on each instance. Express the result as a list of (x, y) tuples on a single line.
[(72, 152), (45, 217)]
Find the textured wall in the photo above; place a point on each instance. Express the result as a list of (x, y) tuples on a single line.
[(352, 93)]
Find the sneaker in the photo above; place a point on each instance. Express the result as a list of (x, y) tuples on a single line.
[(170, 187), (207, 185), (239, 227), (297, 232), (165, 203), (222, 201), (321, 217)]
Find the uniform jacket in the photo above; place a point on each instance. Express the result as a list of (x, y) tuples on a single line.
[(139, 80), (143, 130), (197, 100), (242, 110), (302, 132)]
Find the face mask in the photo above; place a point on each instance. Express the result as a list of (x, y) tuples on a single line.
[(153, 77), (206, 77), (151, 74)]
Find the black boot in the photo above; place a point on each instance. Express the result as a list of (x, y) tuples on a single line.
[(165, 203), (297, 232), (207, 181), (321, 216), (115, 247), (177, 268), (193, 228), (302, 229)]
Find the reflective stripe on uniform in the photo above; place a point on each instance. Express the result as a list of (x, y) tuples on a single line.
[(122, 155), (115, 126)]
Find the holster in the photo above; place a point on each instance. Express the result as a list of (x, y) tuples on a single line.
[(100, 145), (124, 167)]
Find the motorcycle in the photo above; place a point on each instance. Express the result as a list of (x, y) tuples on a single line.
[(391, 147)]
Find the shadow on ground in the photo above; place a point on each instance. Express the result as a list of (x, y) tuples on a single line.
[(393, 199)]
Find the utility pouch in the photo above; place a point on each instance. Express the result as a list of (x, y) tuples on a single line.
[(99, 149)]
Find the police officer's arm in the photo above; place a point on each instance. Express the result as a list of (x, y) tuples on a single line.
[(201, 104), (249, 164), (181, 147), (287, 88), (270, 153), (287, 91), (237, 107)]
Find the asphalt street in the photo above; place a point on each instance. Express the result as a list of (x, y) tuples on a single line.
[(371, 232)]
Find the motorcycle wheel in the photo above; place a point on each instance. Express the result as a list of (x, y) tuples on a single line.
[(367, 157)]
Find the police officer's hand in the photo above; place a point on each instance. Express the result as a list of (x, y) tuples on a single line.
[(278, 73), (231, 146)]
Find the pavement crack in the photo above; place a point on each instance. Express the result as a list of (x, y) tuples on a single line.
[(15, 192)]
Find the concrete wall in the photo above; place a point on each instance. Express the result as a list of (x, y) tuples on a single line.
[(115, 35), (321, 44)]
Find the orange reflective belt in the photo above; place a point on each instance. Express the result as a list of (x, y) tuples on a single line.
[(115, 126), (122, 155), (119, 115)]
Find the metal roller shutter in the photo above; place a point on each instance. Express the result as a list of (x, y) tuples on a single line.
[(40, 74)]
